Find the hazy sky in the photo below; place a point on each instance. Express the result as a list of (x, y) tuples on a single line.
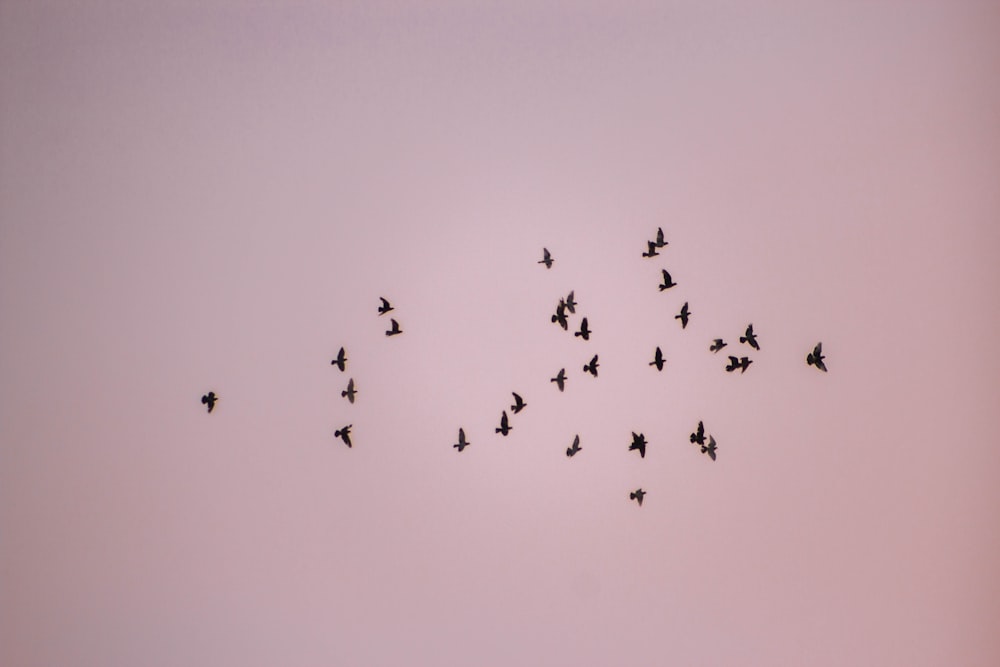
[(204, 197)]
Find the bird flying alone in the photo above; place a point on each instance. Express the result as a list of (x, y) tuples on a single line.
[(560, 379), (639, 443), (570, 303), (505, 426), (584, 332), (344, 433), (395, 330), (717, 345), (749, 338), (592, 366), (651, 249), (637, 496), (546, 258), (462, 442), (683, 315), (815, 358), (709, 448), (570, 451), (668, 282), (698, 437), (560, 316), (519, 403), (385, 307), (743, 363), (660, 241), (341, 360), (350, 392), (209, 400), (657, 359)]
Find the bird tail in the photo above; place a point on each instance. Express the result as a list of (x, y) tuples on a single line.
[(810, 359), (336, 434), (497, 430), (743, 339), (632, 496)]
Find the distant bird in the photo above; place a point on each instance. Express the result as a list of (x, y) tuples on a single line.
[(668, 282), (584, 332), (814, 359), (344, 434), (749, 338), (341, 360), (592, 367), (385, 307), (637, 496), (683, 315), (709, 448), (638, 442), (560, 316), (560, 379), (570, 451), (519, 404), (742, 363), (660, 242), (462, 442), (570, 303), (717, 345), (546, 258), (209, 399), (505, 426), (657, 359), (651, 252), (698, 437), (395, 330), (350, 392)]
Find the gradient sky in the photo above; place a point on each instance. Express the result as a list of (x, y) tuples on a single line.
[(198, 198)]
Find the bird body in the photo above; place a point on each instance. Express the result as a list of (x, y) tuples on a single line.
[(350, 392), (815, 358), (750, 338), (560, 379), (395, 330), (657, 359), (341, 360), (638, 443), (546, 258), (462, 442), (519, 403), (717, 345), (592, 366), (209, 400), (683, 315), (637, 496), (385, 307), (570, 451), (668, 282), (505, 426), (584, 332), (344, 433)]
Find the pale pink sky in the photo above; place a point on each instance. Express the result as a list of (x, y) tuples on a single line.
[(200, 197)]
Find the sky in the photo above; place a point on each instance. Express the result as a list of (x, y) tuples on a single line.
[(213, 196)]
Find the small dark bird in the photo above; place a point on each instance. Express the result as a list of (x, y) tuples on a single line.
[(560, 379), (584, 332), (592, 367), (505, 426), (651, 252), (209, 399), (546, 258), (462, 442), (395, 330), (683, 315), (570, 451), (717, 345), (350, 392), (814, 359), (660, 242), (385, 307), (709, 448), (638, 442), (637, 496), (344, 434), (560, 316), (519, 404), (698, 437), (750, 339), (570, 303), (657, 359), (742, 363), (341, 360), (668, 282)]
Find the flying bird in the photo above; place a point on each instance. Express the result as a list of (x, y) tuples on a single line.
[(570, 451), (815, 358), (749, 338), (717, 345), (638, 442), (395, 330), (709, 448), (546, 258), (592, 366), (657, 359), (637, 496), (519, 404), (505, 426), (660, 241), (570, 303), (683, 315), (462, 442), (560, 379), (584, 332), (341, 360), (698, 437), (743, 363), (668, 282), (344, 433), (209, 400), (651, 252), (560, 316), (385, 307), (350, 392)]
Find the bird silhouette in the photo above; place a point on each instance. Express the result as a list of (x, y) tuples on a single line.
[(546, 258), (560, 379), (584, 332), (660, 241), (395, 330), (344, 433), (743, 363), (570, 451), (749, 338), (570, 303), (657, 359), (651, 252), (385, 307), (637, 496), (341, 360), (560, 316), (668, 282), (709, 448), (683, 315), (505, 426), (717, 345), (462, 442), (209, 400), (519, 404), (638, 442), (592, 367), (698, 437), (815, 358), (350, 392)]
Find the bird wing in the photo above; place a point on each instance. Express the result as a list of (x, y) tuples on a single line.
[(818, 350)]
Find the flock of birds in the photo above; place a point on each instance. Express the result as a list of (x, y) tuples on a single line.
[(564, 309)]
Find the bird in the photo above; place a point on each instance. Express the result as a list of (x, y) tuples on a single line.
[(505, 426), (344, 433), (668, 282), (584, 332), (742, 363), (385, 307), (698, 437), (395, 330), (657, 359), (570, 451), (519, 404), (637, 496), (638, 442), (717, 345), (815, 358), (660, 242), (651, 252), (709, 448), (560, 379), (209, 399), (546, 258), (570, 303), (592, 367), (750, 339), (341, 360), (462, 442), (350, 391), (683, 315), (560, 316)]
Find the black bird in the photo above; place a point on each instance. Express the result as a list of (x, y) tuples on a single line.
[(668, 282), (709, 448), (462, 442), (395, 330), (519, 404), (660, 242), (344, 434), (637, 496), (743, 363), (385, 307), (209, 399), (570, 451), (813, 359), (657, 359), (638, 442), (546, 258), (717, 345), (570, 303), (341, 360), (750, 339), (560, 379), (592, 367), (350, 391), (584, 332), (560, 316), (651, 252), (505, 426), (683, 315), (698, 437)]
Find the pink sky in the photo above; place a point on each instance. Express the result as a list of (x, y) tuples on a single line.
[(198, 198)]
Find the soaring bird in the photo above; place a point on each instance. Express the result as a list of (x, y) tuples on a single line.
[(519, 404), (505, 426), (717, 345), (660, 241), (814, 359), (698, 437), (651, 252), (209, 399), (462, 442), (683, 315), (743, 363), (570, 303), (560, 379), (341, 360), (749, 338), (560, 316), (637, 496), (668, 282), (638, 442), (385, 307), (657, 359), (709, 448), (395, 330), (546, 258), (350, 391), (344, 433), (592, 366), (584, 332), (570, 451)]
